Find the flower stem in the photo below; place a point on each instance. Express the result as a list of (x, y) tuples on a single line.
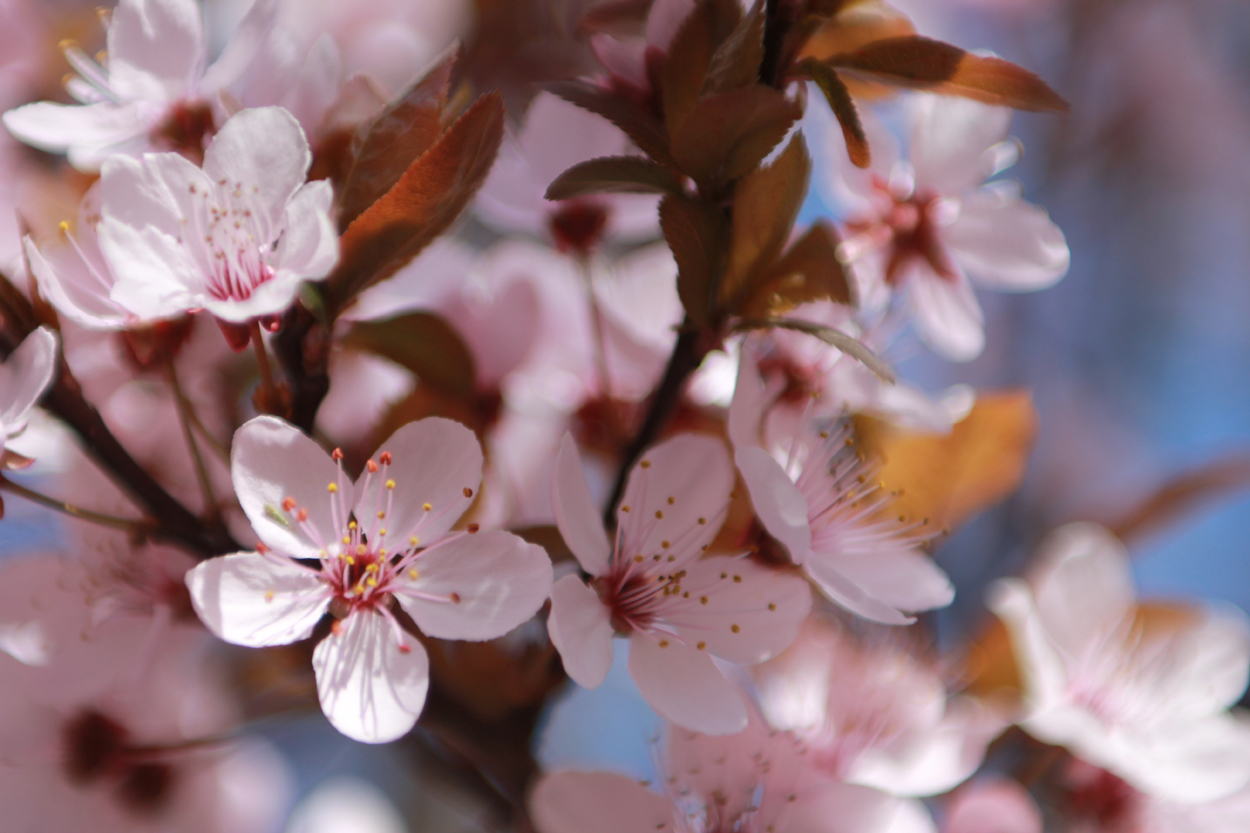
[(73, 511), (184, 418), (596, 326), (269, 391)]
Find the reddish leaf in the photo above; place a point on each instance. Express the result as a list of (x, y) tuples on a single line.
[(619, 18), (766, 202), (639, 125), (425, 344), (690, 53), (736, 62), (616, 175), (421, 205), (695, 231), (916, 62), (839, 98), (850, 28), (384, 148), (808, 271), (727, 135)]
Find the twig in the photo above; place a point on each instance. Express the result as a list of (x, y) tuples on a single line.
[(112, 521), (184, 419)]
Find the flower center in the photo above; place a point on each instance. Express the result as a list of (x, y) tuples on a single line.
[(96, 747)]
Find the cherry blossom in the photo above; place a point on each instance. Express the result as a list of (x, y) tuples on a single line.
[(654, 586), (811, 492), (235, 238), (385, 539), (993, 805), (1139, 690), (755, 781), (871, 713), (154, 91), (925, 226), (24, 376)]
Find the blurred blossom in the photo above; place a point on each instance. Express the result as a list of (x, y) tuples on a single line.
[(345, 805), (24, 376)]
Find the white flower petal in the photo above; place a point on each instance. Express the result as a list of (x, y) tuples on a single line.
[(840, 589), (155, 48), (751, 615), (901, 578), (152, 272), (272, 460), (948, 317), (370, 689), (310, 242), (684, 686), (747, 408), (580, 802), (24, 376), (1197, 762), (436, 463), (1211, 664), (1040, 666), (157, 190), (256, 600), (58, 127), (779, 504), (576, 515), (263, 155), (950, 139), (248, 39), (496, 580), (1007, 244), (581, 630), (65, 280), (677, 483)]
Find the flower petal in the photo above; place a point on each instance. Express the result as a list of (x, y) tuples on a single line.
[(948, 317), (779, 504), (309, 246), (579, 802), (900, 577), (263, 154), (581, 630), (677, 493), (1007, 244), (752, 614), (684, 686), (575, 511), (155, 48), (1040, 666), (66, 280), (256, 600), (747, 408), (832, 807), (24, 376), (272, 460), (1210, 664), (159, 190), (95, 129), (950, 139), (437, 468), (848, 594), (495, 580), (993, 805), (370, 689), (1197, 762), (153, 273)]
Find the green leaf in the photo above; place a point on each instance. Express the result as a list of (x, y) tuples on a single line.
[(614, 175), (425, 344)]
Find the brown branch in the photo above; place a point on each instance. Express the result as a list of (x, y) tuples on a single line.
[(302, 345), (1182, 495)]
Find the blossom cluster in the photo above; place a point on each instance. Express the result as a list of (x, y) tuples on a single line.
[(454, 363)]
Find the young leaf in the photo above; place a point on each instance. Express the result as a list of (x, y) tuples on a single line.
[(766, 202), (727, 135), (839, 98), (695, 231), (690, 53), (736, 62), (948, 478), (422, 204), (383, 149), (425, 344), (852, 347), (920, 63), (613, 175), (639, 125), (809, 271)]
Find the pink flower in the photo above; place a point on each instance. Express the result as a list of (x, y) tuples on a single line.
[(924, 228), (235, 238), (1139, 691), (383, 540), (154, 92), (993, 805), (810, 492), (755, 781), (24, 376), (655, 586), (871, 713)]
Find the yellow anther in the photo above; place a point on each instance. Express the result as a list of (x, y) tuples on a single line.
[(382, 553), (414, 574), (659, 514), (671, 501), (349, 559), (663, 643), (414, 541), (638, 558), (625, 508), (361, 549), (332, 488), (382, 531), (772, 606), (665, 544), (427, 507), (646, 464), (701, 645), (64, 226), (703, 600), (702, 521), (269, 595), (735, 628), (381, 514), (347, 539), (351, 524), (390, 484), (372, 582)]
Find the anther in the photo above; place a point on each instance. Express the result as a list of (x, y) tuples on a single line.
[(336, 454), (288, 504), (735, 628), (646, 464), (625, 508), (269, 595), (372, 467), (64, 226), (381, 514), (638, 558), (455, 597), (332, 488), (261, 548), (701, 645), (672, 500), (414, 541), (302, 515), (703, 600), (414, 574), (390, 484), (385, 457), (737, 579), (659, 514), (427, 507), (702, 521), (663, 643), (468, 492), (665, 544), (473, 528), (772, 606)]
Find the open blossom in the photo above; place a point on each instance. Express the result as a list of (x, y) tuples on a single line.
[(871, 713), (756, 781), (655, 586), (926, 226), (382, 540), (154, 91), (24, 376), (1139, 690), (235, 238), (811, 493)]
